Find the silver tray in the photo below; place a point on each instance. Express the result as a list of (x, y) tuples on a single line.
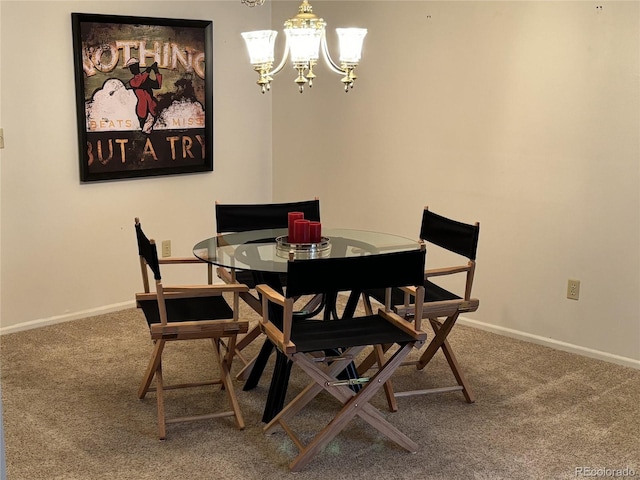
[(302, 250)]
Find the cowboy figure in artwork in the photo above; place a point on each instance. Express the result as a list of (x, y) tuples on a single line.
[(143, 84)]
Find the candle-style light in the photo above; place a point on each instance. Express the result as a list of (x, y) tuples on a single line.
[(305, 40)]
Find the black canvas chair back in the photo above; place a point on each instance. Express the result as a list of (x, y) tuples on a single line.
[(177, 309), (442, 305), (306, 277), (324, 349), (244, 217), (192, 312), (148, 251), (457, 237)]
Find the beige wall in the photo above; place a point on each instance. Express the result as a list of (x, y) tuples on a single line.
[(69, 249), (522, 115)]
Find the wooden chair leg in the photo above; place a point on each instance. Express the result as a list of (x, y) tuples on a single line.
[(353, 404), (370, 360), (388, 387), (457, 372), (248, 338), (440, 342), (162, 425), (304, 397), (245, 371), (227, 381), (152, 368), (366, 302), (224, 357), (441, 331)]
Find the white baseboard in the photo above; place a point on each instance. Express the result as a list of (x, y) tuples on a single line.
[(43, 322), (507, 332), (551, 343)]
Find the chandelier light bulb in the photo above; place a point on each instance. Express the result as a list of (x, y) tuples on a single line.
[(261, 45), (351, 40)]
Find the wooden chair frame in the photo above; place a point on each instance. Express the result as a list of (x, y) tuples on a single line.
[(442, 316), (167, 331), (324, 372)]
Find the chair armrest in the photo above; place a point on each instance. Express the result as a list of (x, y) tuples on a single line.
[(187, 261), (197, 329), (270, 294), (446, 308), (191, 291), (409, 290), (436, 272), (179, 260), (207, 289), (280, 337)]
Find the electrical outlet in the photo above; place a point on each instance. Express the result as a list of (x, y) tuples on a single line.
[(573, 289), (166, 248)]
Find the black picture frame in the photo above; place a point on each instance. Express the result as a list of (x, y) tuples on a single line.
[(144, 95)]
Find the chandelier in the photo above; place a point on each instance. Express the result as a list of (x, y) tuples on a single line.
[(305, 39)]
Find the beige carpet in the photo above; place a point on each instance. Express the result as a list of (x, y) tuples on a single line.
[(71, 412)]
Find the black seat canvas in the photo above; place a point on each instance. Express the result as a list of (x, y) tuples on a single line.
[(182, 313), (442, 306), (323, 349)]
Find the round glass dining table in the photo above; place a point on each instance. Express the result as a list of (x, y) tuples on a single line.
[(258, 250), (265, 254)]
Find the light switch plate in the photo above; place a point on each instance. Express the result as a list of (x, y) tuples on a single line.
[(166, 248)]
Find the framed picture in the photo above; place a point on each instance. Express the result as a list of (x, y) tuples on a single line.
[(144, 95)]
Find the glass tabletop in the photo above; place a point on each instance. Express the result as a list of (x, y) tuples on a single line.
[(267, 250)]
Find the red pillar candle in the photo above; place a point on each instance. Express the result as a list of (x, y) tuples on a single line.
[(293, 216), (301, 231), (315, 232)]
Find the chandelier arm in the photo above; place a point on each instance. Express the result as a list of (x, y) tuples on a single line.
[(327, 57), (283, 61)]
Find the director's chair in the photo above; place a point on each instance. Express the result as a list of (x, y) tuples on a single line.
[(183, 313), (323, 349), (442, 306)]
